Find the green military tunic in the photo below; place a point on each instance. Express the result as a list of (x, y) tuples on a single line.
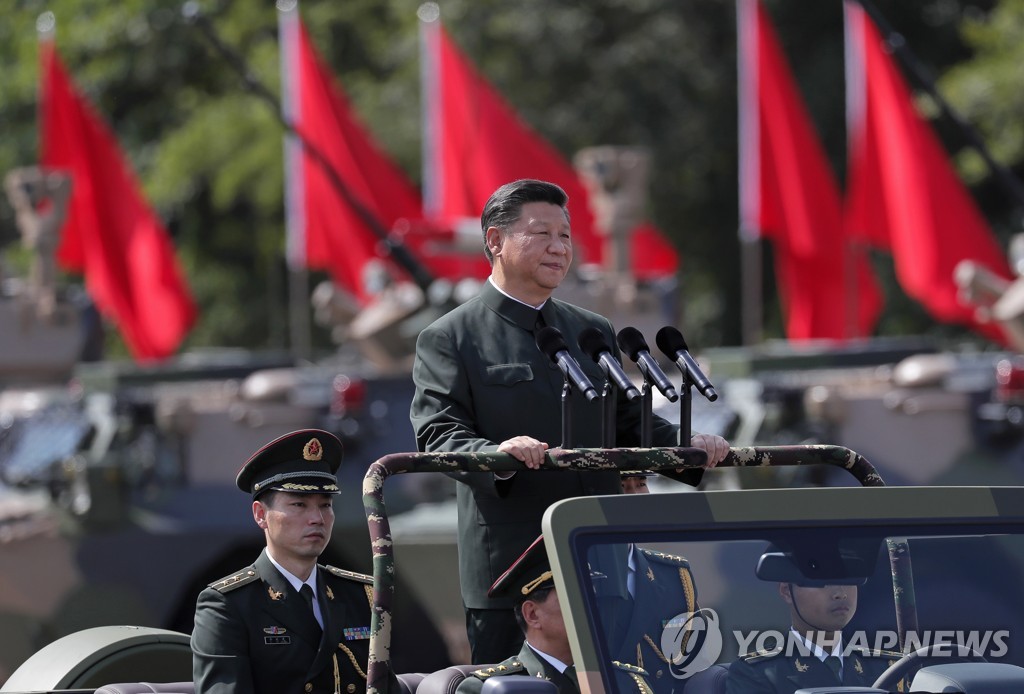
[(255, 633), (772, 672), (480, 380), (628, 678)]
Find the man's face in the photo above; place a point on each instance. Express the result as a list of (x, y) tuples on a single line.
[(298, 526), (635, 485), (829, 608), (533, 255)]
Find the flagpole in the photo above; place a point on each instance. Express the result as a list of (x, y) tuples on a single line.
[(299, 324), (429, 14), (751, 261), (419, 273), (899, 47)]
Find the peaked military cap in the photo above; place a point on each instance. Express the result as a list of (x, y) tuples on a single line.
[(302, 462), (530, 572)]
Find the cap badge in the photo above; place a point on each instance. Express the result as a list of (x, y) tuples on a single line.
[(313, 450)]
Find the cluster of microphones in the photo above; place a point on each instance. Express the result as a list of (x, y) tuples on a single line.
[(632, 343)]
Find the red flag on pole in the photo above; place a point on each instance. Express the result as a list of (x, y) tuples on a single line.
[(324, 230), (788, 193), (903, 195), (476, 142), (111, 235)]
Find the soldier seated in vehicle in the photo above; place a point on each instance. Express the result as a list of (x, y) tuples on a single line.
[(545, 653), (659, 587), (286, 623), (812, 654)]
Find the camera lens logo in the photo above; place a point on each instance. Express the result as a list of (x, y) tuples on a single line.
[(691, 642)]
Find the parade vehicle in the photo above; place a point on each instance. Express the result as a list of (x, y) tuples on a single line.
[(937, 569)]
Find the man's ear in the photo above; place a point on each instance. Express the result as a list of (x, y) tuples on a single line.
[(786, 593), (259, 514), (494, 238), (529, 611)]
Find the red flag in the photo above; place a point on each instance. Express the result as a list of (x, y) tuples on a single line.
[(789, 194), (903, 195), (324, 230), (111, 235), (476, 143)]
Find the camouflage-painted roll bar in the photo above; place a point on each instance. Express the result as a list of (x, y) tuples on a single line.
[(379, 666)]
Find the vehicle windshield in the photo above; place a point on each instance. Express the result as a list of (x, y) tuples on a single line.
[(777, 581)]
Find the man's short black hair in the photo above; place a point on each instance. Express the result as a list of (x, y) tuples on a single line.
[(537, 595), (505, 205)]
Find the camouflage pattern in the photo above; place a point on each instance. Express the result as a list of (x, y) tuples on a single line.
[(902, 587), (379, 667), (856, 464)]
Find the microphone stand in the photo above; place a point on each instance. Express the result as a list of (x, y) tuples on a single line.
[(646, 420), (608, 416), (566, 414), (685, 410)]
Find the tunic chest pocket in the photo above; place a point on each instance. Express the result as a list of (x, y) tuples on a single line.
[(507, 374)]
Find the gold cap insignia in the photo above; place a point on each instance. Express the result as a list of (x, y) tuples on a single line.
[(313, 450)]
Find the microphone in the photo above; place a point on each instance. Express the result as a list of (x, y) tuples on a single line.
[(633, 343), (551, 343), (671, 342), (594, 345)]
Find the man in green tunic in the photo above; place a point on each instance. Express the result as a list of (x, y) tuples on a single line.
[(483, 385)]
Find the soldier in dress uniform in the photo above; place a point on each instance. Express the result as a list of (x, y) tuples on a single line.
[(545, 653), (814, 655), (286, 623), (660, 588)]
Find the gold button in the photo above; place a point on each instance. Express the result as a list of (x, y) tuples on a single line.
[(309, 686), (350, 688)]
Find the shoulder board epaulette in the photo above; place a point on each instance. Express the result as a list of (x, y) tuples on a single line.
[(236, 580), (758, 656), (350, 575), (665, 558), (629, 668), (508, 667)]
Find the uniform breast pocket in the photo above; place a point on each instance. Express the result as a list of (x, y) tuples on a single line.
[(507, 374)]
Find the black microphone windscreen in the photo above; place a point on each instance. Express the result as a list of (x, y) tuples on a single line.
[(632, 342), (592, 342), (670, 341), (550, 341)]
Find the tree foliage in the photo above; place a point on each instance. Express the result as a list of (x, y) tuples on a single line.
[(659, 73)]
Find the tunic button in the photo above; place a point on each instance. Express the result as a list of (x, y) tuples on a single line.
[(350, 688), (309, 686)]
